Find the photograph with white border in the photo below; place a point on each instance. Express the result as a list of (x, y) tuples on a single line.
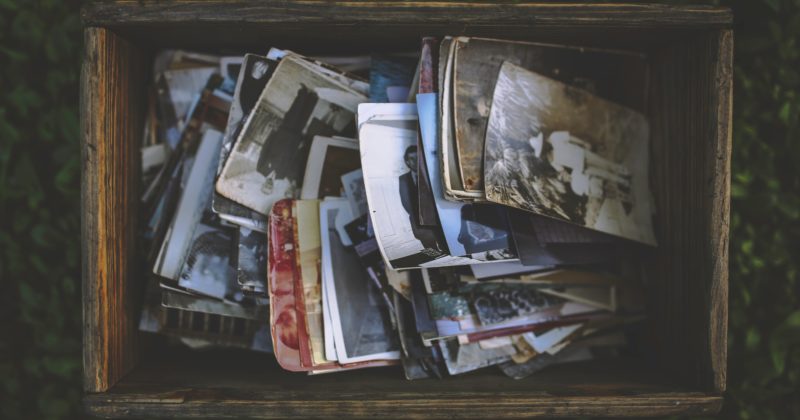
[(361, 324)]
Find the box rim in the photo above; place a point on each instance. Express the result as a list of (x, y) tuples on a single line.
[(132, 13)]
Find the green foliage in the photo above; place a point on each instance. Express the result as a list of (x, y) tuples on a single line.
[(40, 343), (40, 357), (764, 337)]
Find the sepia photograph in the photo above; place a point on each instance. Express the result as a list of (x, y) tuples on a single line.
[(308, 255), (284, 320), (561, 152), (268, 160), (614, 75), (362, 325)]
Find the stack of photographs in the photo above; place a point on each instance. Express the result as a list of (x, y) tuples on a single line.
[(208, 285), (476, 203)]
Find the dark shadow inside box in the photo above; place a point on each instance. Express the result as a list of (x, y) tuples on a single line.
[(256, 375), (673, 356), (326, 39)]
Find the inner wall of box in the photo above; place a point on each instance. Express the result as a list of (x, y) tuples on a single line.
[(680, 111)]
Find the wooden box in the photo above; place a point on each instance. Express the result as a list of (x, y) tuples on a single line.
[(682, 370)]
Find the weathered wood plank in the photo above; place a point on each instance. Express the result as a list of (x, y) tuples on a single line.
[(690, 116), (719, 164), (119, 13), (209, 405), (690, 124), (240, 384), (110, 120)]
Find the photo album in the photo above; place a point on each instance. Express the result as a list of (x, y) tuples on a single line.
[(473, 203)]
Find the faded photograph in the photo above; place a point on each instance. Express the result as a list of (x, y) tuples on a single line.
[(389, 159), (507, 302), (408, 183), (614, 75), (252, 262), (354, 191), (562, 152), (250, 83), (269, 158), (328, 160), (208, 269), (362, 322)]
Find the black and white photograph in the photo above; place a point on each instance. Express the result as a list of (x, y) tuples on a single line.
[(328, 160), (467, 228), (362, 324), (290, 205), (257, 70), (461, 358), (504, 269), (209, 268), (180, 299), (268, 160), (389, 155), (388, 160), (570, 244), (182, 86), (355, 192), (561, 152), (503, 302), (611, 74), (230, 66), (194, 201), (251, 272), (346, 70)]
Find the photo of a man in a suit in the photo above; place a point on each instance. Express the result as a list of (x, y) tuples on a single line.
[(409, 197), (408, 184)]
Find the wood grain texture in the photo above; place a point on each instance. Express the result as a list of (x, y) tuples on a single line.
[(111, 120), (214, 405), (120, 13), (719, 164), (239, 385), (690, 112), (691, 138)]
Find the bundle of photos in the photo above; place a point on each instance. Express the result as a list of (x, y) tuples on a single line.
[(475, 203)]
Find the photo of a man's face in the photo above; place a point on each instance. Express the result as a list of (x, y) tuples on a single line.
[(411, 158)]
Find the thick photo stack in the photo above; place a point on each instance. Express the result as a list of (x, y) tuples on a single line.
[(473, 203)]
